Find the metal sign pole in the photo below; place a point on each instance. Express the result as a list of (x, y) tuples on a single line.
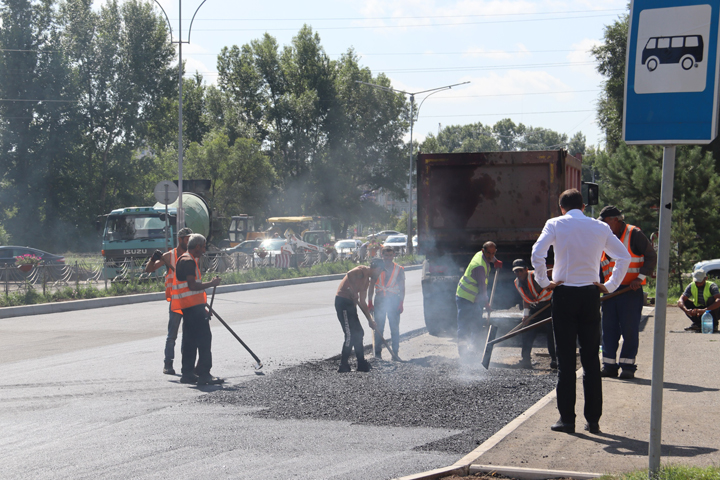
[(167, 223), (661, 301)]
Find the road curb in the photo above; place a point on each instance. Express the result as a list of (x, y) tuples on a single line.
[(464, 466), (73, 305)]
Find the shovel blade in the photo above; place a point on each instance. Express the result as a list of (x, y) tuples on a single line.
[(487, 353)]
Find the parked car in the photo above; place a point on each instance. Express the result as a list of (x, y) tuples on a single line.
[(272, 246), (347, 247), (8, 254), (382, 236), (397, 242), (248, 247), (711, 267)]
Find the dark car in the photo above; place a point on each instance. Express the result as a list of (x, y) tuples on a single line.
[(247, 247), (8, 254)]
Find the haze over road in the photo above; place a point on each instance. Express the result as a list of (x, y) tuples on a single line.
[(83, 395)]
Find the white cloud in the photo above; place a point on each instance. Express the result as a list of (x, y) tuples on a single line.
[(480, 52), (581, 54)]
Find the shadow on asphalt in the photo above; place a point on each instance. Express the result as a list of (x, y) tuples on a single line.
[(619, 445), (678, 387)]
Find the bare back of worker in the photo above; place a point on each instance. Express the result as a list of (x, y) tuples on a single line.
[(355, 285)]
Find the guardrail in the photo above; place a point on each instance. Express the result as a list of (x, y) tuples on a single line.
[(90, 272)]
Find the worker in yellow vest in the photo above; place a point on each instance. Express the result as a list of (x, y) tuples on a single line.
[(471, 297), (621, 315), (188, 295), (168, 260), (699, 296), (389, 292)]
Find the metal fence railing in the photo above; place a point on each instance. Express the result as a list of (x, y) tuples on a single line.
[(100, 273)]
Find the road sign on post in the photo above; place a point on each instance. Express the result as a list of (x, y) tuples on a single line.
[(671, 75)]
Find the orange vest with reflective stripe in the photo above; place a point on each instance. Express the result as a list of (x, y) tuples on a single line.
[(543, 296), (182, 296), (170, 275), (636, 261), (390, 287)]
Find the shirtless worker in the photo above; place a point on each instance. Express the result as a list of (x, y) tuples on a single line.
[(350, 294)]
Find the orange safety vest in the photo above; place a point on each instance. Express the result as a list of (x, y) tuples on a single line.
[(543, 296), (636, 261), (182, 296), (391, 287), (170, 279)]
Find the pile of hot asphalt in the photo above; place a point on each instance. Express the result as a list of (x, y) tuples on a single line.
[(432, 391)]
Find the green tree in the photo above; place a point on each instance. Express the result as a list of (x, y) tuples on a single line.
[(121, 63), (611, 64), (508, 134), (36, 130)]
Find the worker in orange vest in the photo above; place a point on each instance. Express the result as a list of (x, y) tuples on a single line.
[(389, 292), (168, 260), (621, 315), (188, 295)]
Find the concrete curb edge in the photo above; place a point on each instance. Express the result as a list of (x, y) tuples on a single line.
[(73, 305), (464, 466)]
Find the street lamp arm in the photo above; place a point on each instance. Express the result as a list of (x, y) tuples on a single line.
[(167, 19), (447, 87), (193, 19), (389, 89)]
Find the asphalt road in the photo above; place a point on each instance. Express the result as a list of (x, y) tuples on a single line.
[(83, 396)]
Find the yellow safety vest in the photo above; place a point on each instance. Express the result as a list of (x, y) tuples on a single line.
[(695, 293), (636, 261), (467, 287), (182, 296)]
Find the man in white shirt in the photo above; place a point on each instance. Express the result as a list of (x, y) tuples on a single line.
[(578, 242)]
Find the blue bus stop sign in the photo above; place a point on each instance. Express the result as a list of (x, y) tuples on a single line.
[(671, 74)]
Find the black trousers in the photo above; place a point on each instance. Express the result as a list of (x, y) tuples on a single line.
[(196, 340), (528, 338), (576, 318), (350, 323)]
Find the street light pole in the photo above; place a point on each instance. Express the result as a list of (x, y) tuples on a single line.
[(180, 220), (409, 245)]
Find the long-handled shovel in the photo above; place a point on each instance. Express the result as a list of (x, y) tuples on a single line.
[(515, 332), (492, 329), (258, 364), (487, 353)]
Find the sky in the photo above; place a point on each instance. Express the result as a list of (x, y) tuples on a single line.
[(525, 60)]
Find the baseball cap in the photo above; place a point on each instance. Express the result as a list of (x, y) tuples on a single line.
[(519, 264), (609, 211), (699, 275), (185, 232)]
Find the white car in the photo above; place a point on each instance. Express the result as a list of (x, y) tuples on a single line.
[(711, 267), (272, 246), (397, 242), (347, 247), (380, 236)]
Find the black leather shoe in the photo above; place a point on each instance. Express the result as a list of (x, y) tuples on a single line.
[(344, 368), (191, 378), (553, 365), (561, 426), (606, 372), (627, 375), (169, 370), (209, 380), (364, 366), (592, 427)]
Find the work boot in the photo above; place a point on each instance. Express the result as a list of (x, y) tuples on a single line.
[(608, 372), (189, 378), (168, 370), (553, 364), (344, 368), (363, 366), (525, 363), (627, 375), (378, 355), (209, 380)]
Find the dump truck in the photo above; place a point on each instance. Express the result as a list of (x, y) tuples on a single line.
[(467, 199), (132, 234)]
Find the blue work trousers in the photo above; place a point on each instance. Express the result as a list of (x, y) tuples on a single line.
[(387, 307), (469, 320), (621, 318), (173, 328)]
